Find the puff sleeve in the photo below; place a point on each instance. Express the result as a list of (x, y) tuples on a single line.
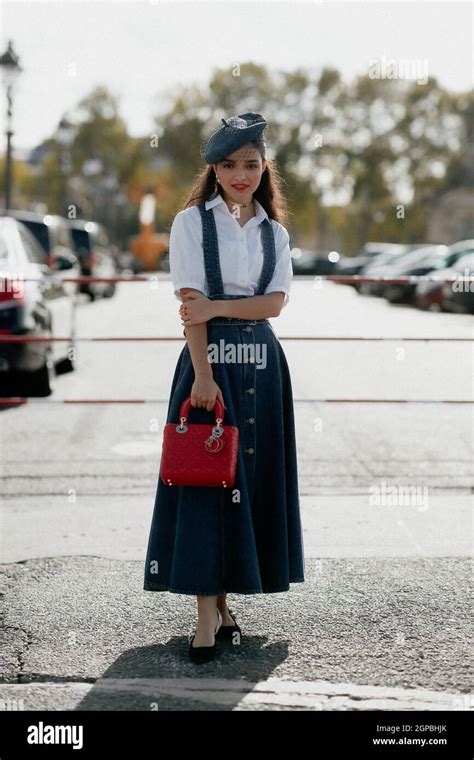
[(186, 254), (283, 274)]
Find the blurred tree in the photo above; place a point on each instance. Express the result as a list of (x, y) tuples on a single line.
[(460, 165), (24, 186), (374, 148), (371, 144)]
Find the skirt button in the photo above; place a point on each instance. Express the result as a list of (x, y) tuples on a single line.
[(249, 451)]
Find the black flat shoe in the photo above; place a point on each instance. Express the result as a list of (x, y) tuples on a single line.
[(205, 654), (226, 632)]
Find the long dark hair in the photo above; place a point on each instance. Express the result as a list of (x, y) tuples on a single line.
[(269, 192)]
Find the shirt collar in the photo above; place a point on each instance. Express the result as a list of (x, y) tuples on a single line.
[(218, 199)]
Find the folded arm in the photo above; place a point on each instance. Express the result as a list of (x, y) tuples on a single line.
[(201, 309), (252, 307), (196, 335)]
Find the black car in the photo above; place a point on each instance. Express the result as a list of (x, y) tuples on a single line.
[(459, 296), (305, 262), (379, 267), (423, 262), (429, 294), (92, 247), (416, 263), (40, 308), (368, 254)]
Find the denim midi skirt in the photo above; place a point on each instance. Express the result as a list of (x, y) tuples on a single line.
[(244, 539)]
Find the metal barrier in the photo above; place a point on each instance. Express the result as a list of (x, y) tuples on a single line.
[(348, 279), (342, 279)]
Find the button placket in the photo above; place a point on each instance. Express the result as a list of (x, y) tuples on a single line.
[(250, 404)]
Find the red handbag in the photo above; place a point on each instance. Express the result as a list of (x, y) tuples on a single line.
[(199, 455)]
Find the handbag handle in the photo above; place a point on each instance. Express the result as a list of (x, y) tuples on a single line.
[(186, 405)]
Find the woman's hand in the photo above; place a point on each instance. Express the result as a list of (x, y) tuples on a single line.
[(196, 309), (204, 392)]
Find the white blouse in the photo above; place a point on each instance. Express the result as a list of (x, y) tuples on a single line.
[(240, 251)]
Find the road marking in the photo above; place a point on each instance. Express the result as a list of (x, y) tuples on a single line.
[(316, 695), (240, 694)]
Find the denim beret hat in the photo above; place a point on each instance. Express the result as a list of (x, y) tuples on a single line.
[(234, 132)]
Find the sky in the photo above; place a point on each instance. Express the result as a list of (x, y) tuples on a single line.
[(142, 51)]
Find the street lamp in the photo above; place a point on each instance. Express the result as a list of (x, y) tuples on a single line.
[(65, 134), (11, 69), (91, 169)]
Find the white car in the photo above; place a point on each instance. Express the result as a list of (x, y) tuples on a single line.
[(38, 308)]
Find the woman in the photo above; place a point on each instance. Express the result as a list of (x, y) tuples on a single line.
[(231, 267)]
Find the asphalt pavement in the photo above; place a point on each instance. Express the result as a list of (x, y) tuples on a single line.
[(382, 620)]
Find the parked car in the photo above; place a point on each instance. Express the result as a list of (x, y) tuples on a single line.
[(52, 233), (93, 250), (459, 296), (369, 253), (462, 245), (414, 264), (429, 294), (305, 262), (380, 267), (40, 308), (127, 264), (420, 263)]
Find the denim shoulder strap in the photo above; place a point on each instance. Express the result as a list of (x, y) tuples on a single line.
[(211, 253), (269, 256)]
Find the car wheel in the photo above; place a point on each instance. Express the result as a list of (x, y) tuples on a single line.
[(10, 384), (42, 381), (67, 364)]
